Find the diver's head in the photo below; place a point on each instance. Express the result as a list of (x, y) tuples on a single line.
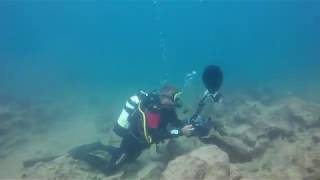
[(169, 97)]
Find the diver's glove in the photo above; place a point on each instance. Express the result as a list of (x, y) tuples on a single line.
[(187, 130)]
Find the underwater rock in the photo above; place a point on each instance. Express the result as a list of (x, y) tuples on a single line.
[(64, 168), (234, 147), (235, 173), (151, 171), (286, 160), (301, 114), (9, 144), (312, 165), (32, 162), (278, 141), (316, 138), (175, 147), (67, 168), (266, 96), (253, 127), (208, 162), (272, 133), (20, 121), (250, 112)]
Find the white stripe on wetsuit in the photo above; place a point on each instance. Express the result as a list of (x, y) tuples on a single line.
[(123, 118)]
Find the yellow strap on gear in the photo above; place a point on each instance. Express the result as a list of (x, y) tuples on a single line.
[(144, 122)]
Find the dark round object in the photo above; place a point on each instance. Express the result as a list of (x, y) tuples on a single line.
[(212, 78)]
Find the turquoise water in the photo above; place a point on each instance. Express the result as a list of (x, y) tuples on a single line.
[(47, 47), (77, 62)]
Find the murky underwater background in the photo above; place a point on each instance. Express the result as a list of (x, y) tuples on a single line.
[(76, 62)]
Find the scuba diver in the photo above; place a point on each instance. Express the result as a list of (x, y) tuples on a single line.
[(150, 118), (146, 119)]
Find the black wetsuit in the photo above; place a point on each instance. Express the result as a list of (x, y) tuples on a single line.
[(133, 141)]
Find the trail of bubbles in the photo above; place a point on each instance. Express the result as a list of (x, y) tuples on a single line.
[(162, 44), (188, 79)]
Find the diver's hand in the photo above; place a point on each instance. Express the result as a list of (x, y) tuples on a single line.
[(187, 130)]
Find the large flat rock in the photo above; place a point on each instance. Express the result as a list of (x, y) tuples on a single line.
[(208, 162)]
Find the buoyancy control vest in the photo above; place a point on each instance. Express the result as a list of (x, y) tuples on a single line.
[(141, 102)]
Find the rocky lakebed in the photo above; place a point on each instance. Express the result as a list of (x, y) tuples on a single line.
[(257, 135)]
